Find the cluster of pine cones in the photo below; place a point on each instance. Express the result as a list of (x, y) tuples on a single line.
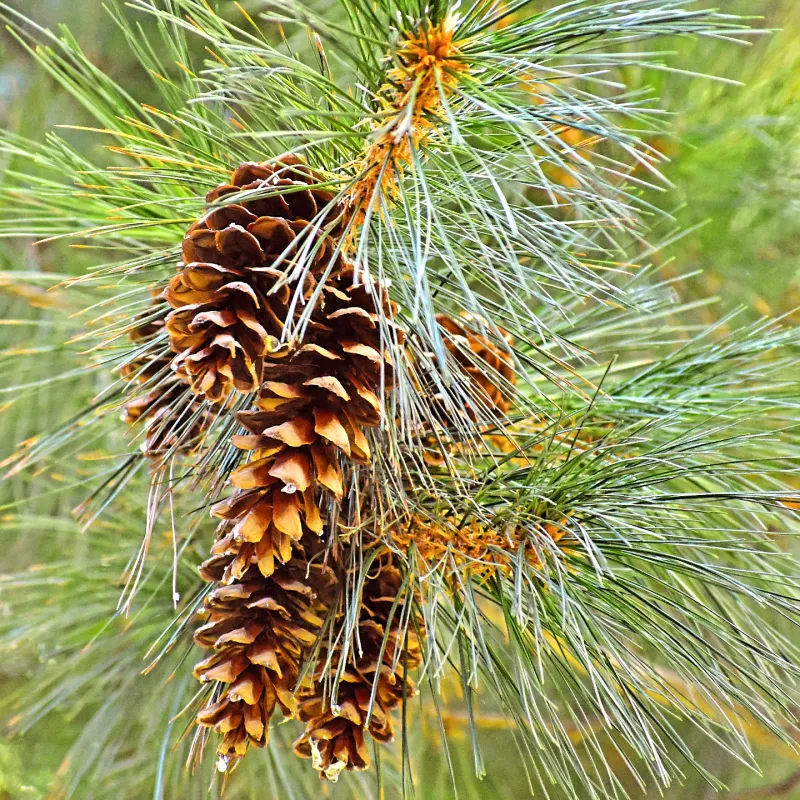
[(265, 304)]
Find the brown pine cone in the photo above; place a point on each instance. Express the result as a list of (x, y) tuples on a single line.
[(314, 406), (150, 360), (334, 734), (474, 352), (170, 414), (316, 401), (270, 219), (261, 630)]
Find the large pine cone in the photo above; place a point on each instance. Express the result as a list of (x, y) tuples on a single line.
[(270, 219), (261, 631), (387, 644), (315, 404), (312, 411), (243, 282)]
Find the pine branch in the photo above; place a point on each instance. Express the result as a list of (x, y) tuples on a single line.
[(375, 271)]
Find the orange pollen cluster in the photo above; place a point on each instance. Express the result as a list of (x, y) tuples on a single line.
[(478, 550), (428, 66)]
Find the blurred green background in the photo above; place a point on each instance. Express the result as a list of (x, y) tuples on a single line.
[(734, 170)]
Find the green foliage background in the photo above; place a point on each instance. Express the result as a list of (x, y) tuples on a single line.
[(735, 173)]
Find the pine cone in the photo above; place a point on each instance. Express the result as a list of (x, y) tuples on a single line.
[(261, 630), (170, 414), (334, 735), (316, 401), (475, 352), (225, 321), (314, 406), (150, 360)]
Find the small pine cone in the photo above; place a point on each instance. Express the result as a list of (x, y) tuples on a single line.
[(260, 630), (170, 415), (225, 321), (472, 350), (169, 420), (313, 408), (144, 334), (334, 734)]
